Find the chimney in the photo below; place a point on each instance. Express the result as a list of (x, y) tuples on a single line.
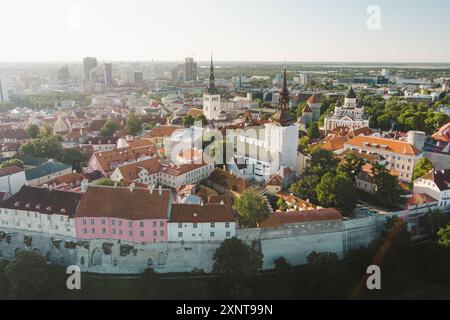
[(84, 185), (222, 203), (150, 188), (132, 186), (160, 190), (201, 203)]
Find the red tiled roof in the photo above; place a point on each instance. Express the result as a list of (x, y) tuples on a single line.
[(395, 146), (201, 213), (10, 170), (138, 204)]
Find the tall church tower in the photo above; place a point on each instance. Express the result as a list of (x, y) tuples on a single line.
[(281, 136), (211, 97)]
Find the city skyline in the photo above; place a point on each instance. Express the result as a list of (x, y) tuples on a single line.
[(295, 31)]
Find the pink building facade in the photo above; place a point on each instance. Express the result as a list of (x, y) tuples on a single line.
[(138, 231)]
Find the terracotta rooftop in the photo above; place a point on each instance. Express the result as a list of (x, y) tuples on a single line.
[(131, 171), (123, 203), (315, 98), (380, 144), (201, 213), (443, 134), (10, 170)]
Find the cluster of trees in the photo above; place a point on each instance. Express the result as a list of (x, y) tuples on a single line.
[(329, 182), (43, 101), (133, 125), (12, 162), (109, 128), (47, 145), (189, 120), (422, 167), (406, 116)]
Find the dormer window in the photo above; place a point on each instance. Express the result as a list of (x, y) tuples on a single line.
[(63, 210), (17, 204), (28, 205), (49, 208), (38, 206)]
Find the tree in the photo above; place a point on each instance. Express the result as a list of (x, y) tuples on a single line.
[(28, 275), (234, 260), (303, 144), (281, 204), (134, 125), (387, 186), (325, 275), (109, 128), (202, 118), (322, 162), (305, 188), (32, 131), (433, 221), (75, 157), (350, 166), (337, 191), (12, 162), (313, 130), (422, 167), (188, 121), (252, 208), (108, 183), (49, 147), (444, 236)]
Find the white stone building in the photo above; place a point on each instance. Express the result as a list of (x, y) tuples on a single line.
[(436, 184), (209, 222), (40, 210), (12, 179), (351, 114)]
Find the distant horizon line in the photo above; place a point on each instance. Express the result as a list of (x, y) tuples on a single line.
[(228, 61)]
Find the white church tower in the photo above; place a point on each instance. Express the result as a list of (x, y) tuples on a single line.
[(211, 98), (281, 136)]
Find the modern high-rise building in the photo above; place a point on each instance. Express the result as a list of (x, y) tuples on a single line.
[(89, 63), (190, 70), (138, 77), (63, 74), (108, 74), (3, 90)]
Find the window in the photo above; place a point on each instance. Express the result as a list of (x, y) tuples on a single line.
[(113, 222), (130, 233), (104, 231), (84, 222), (211, 234), (155, 233), (213, 225), (85, 231), (113, 231), (180, 234), (62, 219), (194, 225), (227, 224), (228, 233), (93, 231), (120, 232), (120, 223), (141, 224), (103, 221), (161, 223), (161, 233), (142, 234), (154, 223), (180, 225), (130, 224), (92, 221)]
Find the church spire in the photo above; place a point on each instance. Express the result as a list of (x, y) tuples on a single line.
[(212, 87), (283, 100), (282, 116)]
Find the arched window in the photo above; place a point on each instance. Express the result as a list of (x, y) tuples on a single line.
[(82, 261), (150, 263), (96, 258)]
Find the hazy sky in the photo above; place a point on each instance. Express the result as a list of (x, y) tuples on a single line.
[(235, 30)]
